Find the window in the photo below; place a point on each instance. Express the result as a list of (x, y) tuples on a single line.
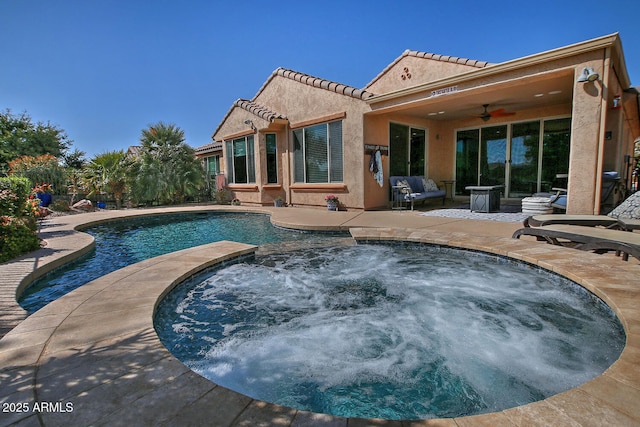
[(241, 160), (212, 166), (317, 153), (272, 158)]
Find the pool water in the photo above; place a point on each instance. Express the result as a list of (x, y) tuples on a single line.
[(125, 242), (392, 332)]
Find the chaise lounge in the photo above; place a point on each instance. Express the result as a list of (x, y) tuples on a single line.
[(595, 239), (624, 217)]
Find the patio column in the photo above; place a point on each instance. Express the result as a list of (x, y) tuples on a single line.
[(587, 127)]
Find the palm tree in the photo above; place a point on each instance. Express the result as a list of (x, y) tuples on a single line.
[(167, 170), (106, 173)]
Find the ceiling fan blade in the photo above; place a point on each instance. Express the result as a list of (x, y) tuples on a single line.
[(501, 113)]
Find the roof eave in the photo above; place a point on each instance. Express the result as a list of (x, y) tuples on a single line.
[(527, 61)]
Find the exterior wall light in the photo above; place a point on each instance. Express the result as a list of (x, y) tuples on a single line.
[(250, 122), (588, 75)]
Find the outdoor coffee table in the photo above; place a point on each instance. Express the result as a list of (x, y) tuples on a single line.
[(485, 198)]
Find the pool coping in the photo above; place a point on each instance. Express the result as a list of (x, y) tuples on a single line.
[(96, 347)]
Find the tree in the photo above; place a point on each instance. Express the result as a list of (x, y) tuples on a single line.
[(167, 170), (74, 160), (19, 136), (107, 173)]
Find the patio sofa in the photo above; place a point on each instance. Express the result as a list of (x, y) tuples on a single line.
[(416, 191)]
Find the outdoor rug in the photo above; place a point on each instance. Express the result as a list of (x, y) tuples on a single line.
[(508, 213)]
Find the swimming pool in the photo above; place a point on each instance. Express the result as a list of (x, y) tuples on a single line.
[(124, 242), (393, 332)]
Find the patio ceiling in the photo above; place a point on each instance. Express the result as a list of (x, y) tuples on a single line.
[(537, 91)]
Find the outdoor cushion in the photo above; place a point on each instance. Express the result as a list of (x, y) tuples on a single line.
[(630, 208), (429, 185)]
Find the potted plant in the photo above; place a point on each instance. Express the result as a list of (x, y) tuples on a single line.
[(332, 202), (43, 193), (278, 202)]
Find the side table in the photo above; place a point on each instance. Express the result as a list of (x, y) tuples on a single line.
[(449, 187)]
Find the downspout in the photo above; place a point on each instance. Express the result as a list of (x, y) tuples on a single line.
[(601, 134)]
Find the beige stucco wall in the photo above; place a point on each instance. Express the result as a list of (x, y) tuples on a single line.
[(301, 103), (411, 71), (590, 153), (586, 103)]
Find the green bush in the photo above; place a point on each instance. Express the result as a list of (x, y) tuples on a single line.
[(60, 205), (17, 237), (17, 218), (14, 192), (223, 196)]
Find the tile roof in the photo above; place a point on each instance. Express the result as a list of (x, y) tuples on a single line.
[(434, 57), (257, 109), (209, 148), (317, 82), (134, 150), (445, 58), (267, 114)]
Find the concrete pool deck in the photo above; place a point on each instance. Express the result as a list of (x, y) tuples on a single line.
[(93, 358)]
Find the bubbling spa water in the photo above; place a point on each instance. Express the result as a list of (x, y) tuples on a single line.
[(393, 332)]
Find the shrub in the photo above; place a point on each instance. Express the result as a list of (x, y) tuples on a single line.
[(223, 196), (17, 218), (17, 236), (14, 192), (38, 169), (60, 205)]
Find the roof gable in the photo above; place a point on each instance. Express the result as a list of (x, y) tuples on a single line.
[(415, 68)]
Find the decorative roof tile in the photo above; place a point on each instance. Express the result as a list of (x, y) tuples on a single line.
[(322, 84), (259, 110), (209, 148)]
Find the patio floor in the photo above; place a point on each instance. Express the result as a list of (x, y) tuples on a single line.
[(93, 358)]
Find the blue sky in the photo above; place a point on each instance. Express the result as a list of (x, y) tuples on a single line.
[(105, 70)]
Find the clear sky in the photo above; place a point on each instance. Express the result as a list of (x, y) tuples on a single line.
[(103, 70)]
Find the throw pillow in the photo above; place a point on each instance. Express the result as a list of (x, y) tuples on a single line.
[(406, 188), (429, 185)]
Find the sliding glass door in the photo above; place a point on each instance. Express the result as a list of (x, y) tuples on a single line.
[(407, 149), (524, 157), (467, 155), (493, 155)]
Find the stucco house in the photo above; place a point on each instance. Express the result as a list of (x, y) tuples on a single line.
[(566, 114)]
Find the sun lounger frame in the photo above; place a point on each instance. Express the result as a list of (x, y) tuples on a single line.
[(586, 238)]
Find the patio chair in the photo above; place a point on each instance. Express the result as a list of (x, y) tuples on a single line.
[(559, 199), (626, 216), (599, 240)]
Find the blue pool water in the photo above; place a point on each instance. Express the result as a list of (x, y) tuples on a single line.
[(392, 332), (125, 242)]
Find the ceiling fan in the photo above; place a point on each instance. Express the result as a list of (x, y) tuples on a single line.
[(486, 115)]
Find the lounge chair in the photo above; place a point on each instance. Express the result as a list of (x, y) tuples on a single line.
[(558, 201), (586, 238), (624, 217)]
